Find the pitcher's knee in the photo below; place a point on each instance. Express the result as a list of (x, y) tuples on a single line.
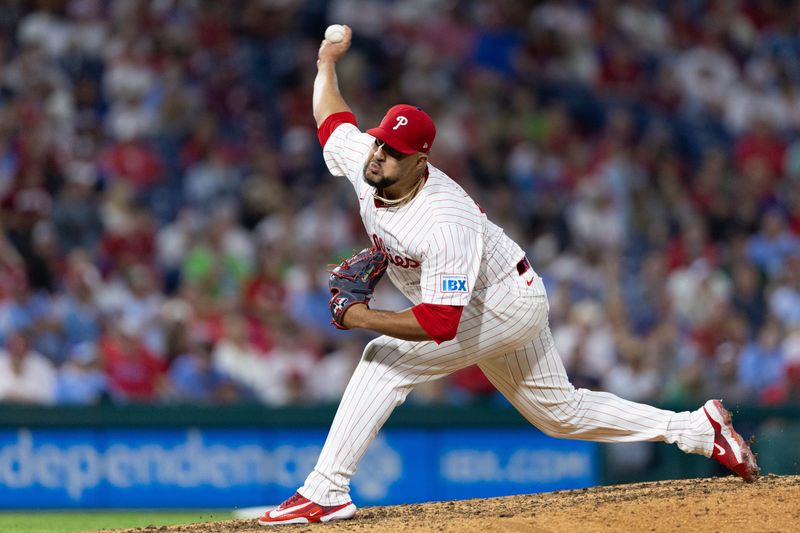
[(373, 349), (385, 350), (378, 366)]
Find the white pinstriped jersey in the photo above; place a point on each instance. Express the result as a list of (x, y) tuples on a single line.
[(441, 245)]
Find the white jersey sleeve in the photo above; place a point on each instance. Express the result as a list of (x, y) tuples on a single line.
[(346, 151), (450, 269)]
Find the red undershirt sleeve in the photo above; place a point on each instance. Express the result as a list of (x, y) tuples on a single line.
[(438, 321), (328, 126)]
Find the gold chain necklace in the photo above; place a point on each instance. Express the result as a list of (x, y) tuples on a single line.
[(410, 194)]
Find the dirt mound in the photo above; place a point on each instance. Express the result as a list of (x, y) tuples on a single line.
[(696, 505)]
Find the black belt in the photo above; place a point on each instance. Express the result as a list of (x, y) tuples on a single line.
[(523, 266)]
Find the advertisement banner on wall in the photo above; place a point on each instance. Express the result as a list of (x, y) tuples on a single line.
[(204, 468)]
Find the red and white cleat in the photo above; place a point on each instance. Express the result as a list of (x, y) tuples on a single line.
[(730, 449), (300, 510)]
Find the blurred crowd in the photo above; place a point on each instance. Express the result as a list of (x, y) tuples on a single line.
[(167, 219)]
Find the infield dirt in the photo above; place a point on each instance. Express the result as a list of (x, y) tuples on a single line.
[(771, 504)]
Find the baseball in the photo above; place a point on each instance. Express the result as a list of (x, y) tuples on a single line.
[(334, 33)]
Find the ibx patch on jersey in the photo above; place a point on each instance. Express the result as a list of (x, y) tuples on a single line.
[(454, 283)]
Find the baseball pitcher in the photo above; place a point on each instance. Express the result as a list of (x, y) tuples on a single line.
[(476, 301)]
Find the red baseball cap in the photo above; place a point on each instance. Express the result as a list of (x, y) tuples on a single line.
[(406, 128)]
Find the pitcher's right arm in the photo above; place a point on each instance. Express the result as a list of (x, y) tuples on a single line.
[(344, 147), (327, 99)]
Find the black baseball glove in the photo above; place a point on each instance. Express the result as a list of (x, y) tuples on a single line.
[(353, 281)]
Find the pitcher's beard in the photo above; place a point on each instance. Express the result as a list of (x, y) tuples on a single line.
[(382, 183)]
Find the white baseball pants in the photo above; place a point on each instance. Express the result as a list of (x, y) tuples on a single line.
[(505, 331)]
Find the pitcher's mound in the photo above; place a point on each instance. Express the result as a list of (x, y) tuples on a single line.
[(692, 505)]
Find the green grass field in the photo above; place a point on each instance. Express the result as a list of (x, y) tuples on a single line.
[(67, 521)]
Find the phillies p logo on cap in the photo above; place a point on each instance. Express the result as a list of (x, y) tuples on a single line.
[(406, 128), (401, 121)]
